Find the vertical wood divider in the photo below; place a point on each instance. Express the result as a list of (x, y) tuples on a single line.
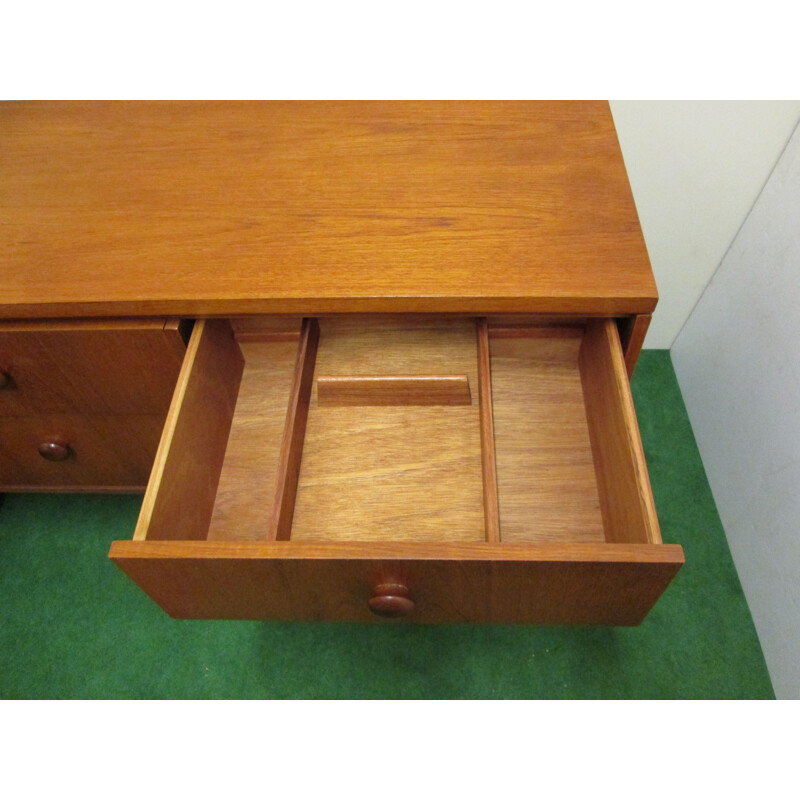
[(491, 511), (294, 432)]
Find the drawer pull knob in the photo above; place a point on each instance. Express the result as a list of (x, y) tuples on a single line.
[(391, 600), (5, 380), (56, 450)]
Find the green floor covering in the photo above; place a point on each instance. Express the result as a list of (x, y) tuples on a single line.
[(73, 626)]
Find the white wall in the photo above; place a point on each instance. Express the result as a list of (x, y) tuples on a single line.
[(696, 168), (738, 365)]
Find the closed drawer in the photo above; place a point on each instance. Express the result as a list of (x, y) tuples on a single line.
[(89, 367), (71, 452), (429, 469)]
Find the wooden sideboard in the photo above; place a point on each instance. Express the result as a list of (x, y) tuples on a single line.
[(376, 353)]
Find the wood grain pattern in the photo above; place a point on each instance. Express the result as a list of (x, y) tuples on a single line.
[(626, 498), (294, 433), (179, 500), (400, 487), (491, 513), (214, 208), (254, 325), (106, 450), (393, 390), (267, 336), (568, 330), (89, 367), (529, 322), (459, 582), (547, 488), (636, 330), (249, 476), (392, 473)]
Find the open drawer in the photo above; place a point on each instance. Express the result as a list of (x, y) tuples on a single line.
[(428, 469)]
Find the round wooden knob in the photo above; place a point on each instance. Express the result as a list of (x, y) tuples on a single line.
[(391, 600), (55, 450)]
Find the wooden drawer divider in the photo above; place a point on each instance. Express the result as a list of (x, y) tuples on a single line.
[(491, 509), (294, 432)]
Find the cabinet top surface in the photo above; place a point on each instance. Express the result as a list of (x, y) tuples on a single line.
[(203, 208)]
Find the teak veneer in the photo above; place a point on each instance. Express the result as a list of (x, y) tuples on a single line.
[(405, 393), (316, 207), (468, 498)]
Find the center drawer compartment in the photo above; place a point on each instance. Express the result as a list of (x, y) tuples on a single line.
[(425, 468)]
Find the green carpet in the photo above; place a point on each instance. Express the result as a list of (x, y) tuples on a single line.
[(73, 626)]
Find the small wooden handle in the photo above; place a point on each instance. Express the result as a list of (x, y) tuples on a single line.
[(391, 600), (55, 450)]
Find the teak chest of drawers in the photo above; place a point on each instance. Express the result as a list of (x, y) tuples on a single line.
[(405, 390)]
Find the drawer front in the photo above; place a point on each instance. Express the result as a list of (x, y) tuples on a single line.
[(88, 367), (62, 451), (580, 585)]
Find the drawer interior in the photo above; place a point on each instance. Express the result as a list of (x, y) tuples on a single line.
[(380, 462), (406, 429), (546, 480)]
